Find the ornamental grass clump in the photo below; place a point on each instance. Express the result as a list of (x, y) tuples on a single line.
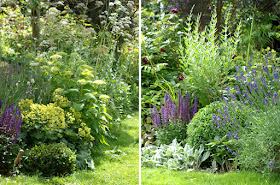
[(10, 123), (173, 118)]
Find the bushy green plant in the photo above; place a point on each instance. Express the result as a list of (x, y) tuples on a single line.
[(52, 124), (81, 87), (174, 156), (50, 160), (199, 129), (207, 58)]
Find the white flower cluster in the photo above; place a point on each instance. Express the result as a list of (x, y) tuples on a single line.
[(120, 19), (99, 4), (52, 12)]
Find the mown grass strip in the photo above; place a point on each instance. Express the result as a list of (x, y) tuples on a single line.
[(154, 176)]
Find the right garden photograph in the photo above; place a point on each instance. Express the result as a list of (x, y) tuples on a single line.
[(210, 92)]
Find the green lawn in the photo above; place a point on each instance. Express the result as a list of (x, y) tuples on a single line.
[(120, 165), (154, 176)]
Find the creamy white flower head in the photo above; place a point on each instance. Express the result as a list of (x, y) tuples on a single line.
[(44, 43), (103, 22), (99, 82), (104, 96), (53, 11), (32, 63), (117, 2), (64, 22), (83, 81), (55, 56), (111, 4), (130, 4), (99, 4)]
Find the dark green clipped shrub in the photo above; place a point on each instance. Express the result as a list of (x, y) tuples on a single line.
[(170, 131), (50, 160), (202, 130)]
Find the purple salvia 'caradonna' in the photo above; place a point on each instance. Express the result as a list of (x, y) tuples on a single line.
[(171, 112), (10, 122)]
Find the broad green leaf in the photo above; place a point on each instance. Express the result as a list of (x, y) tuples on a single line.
[(89, 96), (72, 90), (78, 106)]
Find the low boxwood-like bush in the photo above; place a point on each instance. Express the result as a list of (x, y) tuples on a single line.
[(50, 160), (203, 130)]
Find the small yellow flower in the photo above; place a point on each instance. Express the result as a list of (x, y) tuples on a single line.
[(83, 81), (68, 73), (88, 74), (104, 96), (55, 69), (58, 91), (74, 55), (99, 82)]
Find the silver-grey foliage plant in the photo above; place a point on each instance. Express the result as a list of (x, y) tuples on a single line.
[(174, 156)]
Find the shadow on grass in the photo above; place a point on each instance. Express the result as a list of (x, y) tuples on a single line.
[(123, 135)]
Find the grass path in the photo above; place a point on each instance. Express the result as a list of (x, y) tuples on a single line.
[(119, 165), (158, 176)]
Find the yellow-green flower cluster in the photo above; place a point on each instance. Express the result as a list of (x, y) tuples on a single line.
[(53, 117), (59, 100), (25, 105), (84, 132), (104, 97), (48, 116)]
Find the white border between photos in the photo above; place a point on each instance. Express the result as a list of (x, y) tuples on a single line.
[(139, 1)]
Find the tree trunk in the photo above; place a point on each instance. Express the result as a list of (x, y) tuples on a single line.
[(35, 24), (219, 16)]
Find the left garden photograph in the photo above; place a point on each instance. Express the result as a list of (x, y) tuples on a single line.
[(69, 94)]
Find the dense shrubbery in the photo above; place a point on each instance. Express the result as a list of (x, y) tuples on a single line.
[(50, 160), (73, 80), (238, 104)]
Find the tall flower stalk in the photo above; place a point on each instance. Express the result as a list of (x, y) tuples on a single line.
[(172, 111), (10, 122)]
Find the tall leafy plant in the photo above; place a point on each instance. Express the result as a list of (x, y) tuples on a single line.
[(206, 58)]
